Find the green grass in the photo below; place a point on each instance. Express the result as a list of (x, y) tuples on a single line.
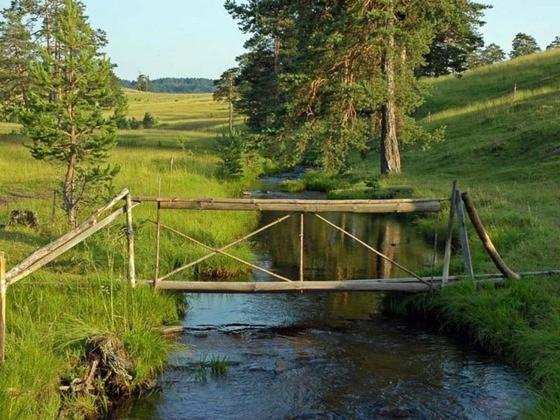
[(82, 292)]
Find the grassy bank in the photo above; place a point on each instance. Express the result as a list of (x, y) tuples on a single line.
[(505, 150), (80, 295)]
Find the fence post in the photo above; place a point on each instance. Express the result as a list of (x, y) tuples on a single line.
[(130, 240), (301, 250), (463, 234), (158, 234), (3, 290), (447, 255)]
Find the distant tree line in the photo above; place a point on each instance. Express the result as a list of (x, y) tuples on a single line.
[(170, 85)]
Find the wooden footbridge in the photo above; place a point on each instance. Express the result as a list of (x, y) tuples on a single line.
[(410, 282)]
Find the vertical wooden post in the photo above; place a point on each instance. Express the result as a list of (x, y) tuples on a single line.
[(463, 234), (3, 290), (301, 237), (158, 233), (53, 211), (447, 255), (130, 239), (434, 255)]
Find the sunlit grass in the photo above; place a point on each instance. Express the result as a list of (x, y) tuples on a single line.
[(84, 291)]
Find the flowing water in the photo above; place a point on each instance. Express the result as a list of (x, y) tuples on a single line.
[(331, 356)]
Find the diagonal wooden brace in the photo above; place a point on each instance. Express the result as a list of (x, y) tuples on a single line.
[(375, 251), (227, 254)]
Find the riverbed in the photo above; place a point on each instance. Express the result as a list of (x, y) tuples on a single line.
[(330, 356)]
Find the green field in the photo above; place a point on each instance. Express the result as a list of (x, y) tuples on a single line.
[(503, 149), (45, 342)]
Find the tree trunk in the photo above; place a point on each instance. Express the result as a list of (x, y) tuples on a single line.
[(390, 154), (231, 87), (68, 191)]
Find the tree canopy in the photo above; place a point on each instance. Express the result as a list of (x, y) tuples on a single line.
[(323, 79), (523, 44)]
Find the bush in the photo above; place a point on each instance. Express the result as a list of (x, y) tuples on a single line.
[(230, 150), (149, 120)]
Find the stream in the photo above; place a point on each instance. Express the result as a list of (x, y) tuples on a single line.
[(327, 356)]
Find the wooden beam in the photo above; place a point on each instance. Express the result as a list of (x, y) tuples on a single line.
[(46, 257), (463, 235), (130, 240), (449, 239), (479, 278), (292, 287), (306, 206), (3, 290), (41, 252), (485, 238)]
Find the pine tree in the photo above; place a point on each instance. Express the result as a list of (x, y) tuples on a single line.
[(74, 102), (143, 83), (554, 44), (523, 44), (17, 48), (492, 54), (226, 91)]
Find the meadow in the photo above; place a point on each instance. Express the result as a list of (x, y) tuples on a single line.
[(83, 293)]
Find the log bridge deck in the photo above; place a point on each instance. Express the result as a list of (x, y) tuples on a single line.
[(412, 283)]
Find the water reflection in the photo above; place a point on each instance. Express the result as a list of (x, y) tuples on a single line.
[(332, 255)]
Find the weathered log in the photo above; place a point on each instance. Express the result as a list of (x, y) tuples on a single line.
[(306, 206), (46, 254), (3, 290), (130, 240), (41, 252), (463, 235), (485, 238), (449, 238)]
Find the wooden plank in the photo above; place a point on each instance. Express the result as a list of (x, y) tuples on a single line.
[(485, 238), (3, 290), (449, 239), (43, 251), (479, 278), (65, 247), (293, 287), (130, 240), (307, 206), (463, 235)]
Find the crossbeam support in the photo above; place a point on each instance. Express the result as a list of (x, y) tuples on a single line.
[(227, 254)]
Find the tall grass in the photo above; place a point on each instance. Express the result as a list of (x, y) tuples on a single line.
[(83, 293)]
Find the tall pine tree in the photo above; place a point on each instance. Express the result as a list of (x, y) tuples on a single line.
[(74, 102)]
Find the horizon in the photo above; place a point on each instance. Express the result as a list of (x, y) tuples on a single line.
[(201, 40)]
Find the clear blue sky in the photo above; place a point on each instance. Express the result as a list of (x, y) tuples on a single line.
[(197, 38)]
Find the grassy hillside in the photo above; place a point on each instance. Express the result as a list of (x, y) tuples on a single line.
[(505, 150), (80, 294)]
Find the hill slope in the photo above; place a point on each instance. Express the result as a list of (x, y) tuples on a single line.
[(505, 150)]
